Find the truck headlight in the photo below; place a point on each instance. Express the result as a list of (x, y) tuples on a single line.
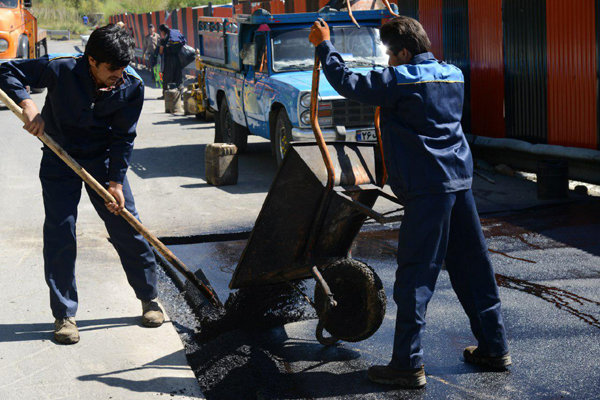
[(3, 45), (305, 117), (305, 100)]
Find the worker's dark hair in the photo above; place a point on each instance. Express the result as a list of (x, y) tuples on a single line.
[(164, 28), (405, 33), (150, 26), (111, 44)]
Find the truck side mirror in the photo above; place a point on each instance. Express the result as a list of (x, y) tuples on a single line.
[(27, 3), (249, 54)]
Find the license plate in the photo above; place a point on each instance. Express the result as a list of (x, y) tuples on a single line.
[(366, 135)]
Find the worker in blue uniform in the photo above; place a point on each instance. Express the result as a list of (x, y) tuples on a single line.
[(430, 167), (93, 104), (170, 47)]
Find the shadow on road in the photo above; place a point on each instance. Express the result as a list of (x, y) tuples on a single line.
[(44, 331), (256, 166), (165, 384)]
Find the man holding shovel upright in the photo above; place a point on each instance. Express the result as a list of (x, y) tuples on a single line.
[(93, 104), (430, 166)]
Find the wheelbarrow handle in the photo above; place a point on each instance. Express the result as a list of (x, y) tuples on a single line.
[(386, 3), (102, 192), (384, 174), (314, 122)]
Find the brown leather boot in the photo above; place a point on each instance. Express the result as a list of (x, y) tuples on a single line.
[(404, 378), (65, 330), (152, 314), (474, 356)]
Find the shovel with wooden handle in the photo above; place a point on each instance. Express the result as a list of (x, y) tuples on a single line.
[(98, 188)]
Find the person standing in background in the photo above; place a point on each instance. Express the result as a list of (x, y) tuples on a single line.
[(150, 46), (170, 46)]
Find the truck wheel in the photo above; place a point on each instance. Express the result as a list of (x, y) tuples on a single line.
[(218, 128), (283, 135), (232, 132)]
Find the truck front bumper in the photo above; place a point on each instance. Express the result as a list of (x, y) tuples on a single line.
[(366, 134)]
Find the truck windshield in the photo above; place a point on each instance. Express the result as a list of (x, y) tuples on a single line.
[(9, 3), (359, 48)]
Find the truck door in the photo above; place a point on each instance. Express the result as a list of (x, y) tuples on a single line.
[(257, 92)]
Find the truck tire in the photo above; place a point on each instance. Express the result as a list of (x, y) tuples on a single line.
[(231, 131), (283, 135), (218, 128)]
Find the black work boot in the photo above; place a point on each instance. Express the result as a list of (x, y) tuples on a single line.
[(474, 356), (404, 378)]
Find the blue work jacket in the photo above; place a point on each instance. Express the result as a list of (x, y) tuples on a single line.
[(175, 37), (421, 107), (86, 122)]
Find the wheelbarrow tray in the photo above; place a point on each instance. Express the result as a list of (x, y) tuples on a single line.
[(285, 243)]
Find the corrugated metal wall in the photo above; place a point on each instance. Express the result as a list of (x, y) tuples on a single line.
[(572, 81), (598, 72), (410, 8), (525, 69), (455, 25), (430, 16), (487, 68)]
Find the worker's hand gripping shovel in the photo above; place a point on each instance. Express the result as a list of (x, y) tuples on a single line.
[(98, 188)]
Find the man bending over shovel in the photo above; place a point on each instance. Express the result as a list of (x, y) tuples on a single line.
[(430, 166), (93, 104)]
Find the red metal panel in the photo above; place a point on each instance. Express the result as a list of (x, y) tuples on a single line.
[(145, 24), (430, 16), (138, 31), (571, 55), (189, 22), (487, 68), (299, 6), (223, 12)]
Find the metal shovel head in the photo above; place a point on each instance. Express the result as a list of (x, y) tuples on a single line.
[(277, 248)]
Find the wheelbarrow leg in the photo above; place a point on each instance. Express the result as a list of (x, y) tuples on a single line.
[(319, 278), (325, 341)]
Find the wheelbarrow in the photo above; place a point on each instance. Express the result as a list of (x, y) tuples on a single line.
[(320, 198)]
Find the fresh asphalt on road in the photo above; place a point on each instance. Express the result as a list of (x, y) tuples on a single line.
[(546, 255)]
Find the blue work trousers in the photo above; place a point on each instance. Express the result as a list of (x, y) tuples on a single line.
[(61, 189), (437, 228)]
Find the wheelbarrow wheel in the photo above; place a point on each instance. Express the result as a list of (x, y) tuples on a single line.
[(360, 298)]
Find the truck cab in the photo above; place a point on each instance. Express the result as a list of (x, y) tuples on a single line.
[(259, 74), (19, 36)]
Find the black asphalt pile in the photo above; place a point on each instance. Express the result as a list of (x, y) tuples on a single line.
[(255, 308)]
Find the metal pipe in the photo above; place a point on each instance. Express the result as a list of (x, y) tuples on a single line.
[(314, 122), (384, 174)]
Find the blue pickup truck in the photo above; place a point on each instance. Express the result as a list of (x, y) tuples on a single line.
[(258, 73)]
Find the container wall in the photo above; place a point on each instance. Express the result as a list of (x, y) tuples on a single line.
[(525, 69), (455, 17), (410, 8), (430, 16), (486, 68), (572, 80), (598, 73)]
